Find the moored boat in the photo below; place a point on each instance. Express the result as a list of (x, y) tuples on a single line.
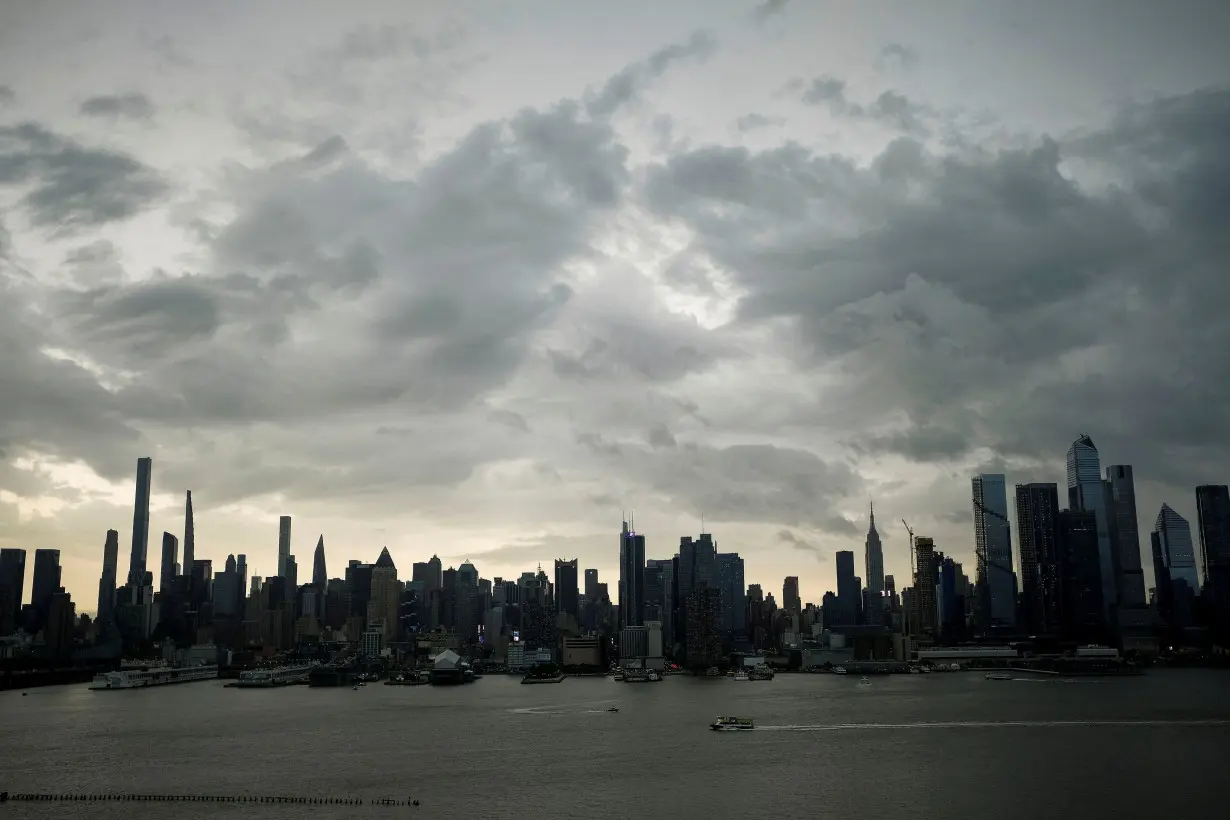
[(153, 676)]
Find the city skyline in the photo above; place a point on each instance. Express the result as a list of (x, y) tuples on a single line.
[(881, 262)]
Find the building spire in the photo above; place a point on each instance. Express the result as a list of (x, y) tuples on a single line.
[(872, 528)]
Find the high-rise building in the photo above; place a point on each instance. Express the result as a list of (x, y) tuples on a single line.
[(566, 592), (631, 578), (1087, 491), (591, 584), (993, 548), (729, 571), (241, 569), (385, 595), (108, 581), (926, 578), (659, 595), (189, 536), (1083, 614), (1037, 511), (873, 558), (791, 602), (1213, 519), (140, 523), (320, 571), (46, 582), (283, 544), (848, 589), (12, 588), (1129, 576), (170, 560), (60, 623), (1175, 538), (704, 640)]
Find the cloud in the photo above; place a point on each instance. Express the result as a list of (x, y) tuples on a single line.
[(628, 84), (69, 186), (896, 56), (803, 545), (7, 96), (131, 105), (890, 109), (768, 8), (754, 122)]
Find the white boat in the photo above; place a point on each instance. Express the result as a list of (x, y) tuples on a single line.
[(732, 724), (742, 675), (274, 676), (864, 681), (841, 670), (999, 676), (153, 676), (653, 676)]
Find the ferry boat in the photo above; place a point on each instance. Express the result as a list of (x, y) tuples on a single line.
[(732, 724), (274, 676), (153, 676)]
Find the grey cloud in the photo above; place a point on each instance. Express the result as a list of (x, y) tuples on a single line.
[(71, 186), (961, 516), (508, 418), (896, 55), (754, 122), (131, 105), (628, 84), (7, 96), (768, 8), (891, 108), (959, 294), (660, 437), (802, 545)]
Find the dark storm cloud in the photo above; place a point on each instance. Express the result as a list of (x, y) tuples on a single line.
[(628, 84), (964, 293), (131, 105), (769, 8), (802, 545), (71, 186)]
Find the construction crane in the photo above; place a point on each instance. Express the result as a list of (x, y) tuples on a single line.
[(913, 563)]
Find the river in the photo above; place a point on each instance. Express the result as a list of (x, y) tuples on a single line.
[(926, 746)]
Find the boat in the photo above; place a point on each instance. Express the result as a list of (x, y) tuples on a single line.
[(998, 676), (864, 681), (732, 724), (742, 675), (653, 676), (272, 676), (153, 676), (613, 709), (841, 670), (914, 670)]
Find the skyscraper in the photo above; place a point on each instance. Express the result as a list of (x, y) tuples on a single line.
[(631, 578), (12, 587), (1087, 491), (46, 582), (848, 592), (566, 591), (170, 560), (1175, 538), (189, 536), (993, 548), (873, 558), (1037, 510), (729, 571), (1213, 519), (1129, 576), (107, 583), (385, 593), (140, 523), (591, 584), (283, 544), (1083, 613), (926, 577), (320, 571), (791, 602)]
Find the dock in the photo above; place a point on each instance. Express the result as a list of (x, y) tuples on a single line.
[(126, 797)]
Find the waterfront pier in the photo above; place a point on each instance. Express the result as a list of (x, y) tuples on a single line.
[(126, 797)]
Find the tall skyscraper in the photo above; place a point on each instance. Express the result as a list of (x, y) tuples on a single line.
[(140, 523), (873, 557), (566, 591), (993, 548), (1213, 519), (107, 583), (241, 569), (283, 544), (320, 571), (1175, 538), (12, 587), (791, 602), (46, 582), (926, 577), (1129, 576), (1088, 492), (728, 568), (170, 560), (189, 536), (1083, 613), (1037, 511), (848, 591), (631, 578), (591, 584), (385, 594)]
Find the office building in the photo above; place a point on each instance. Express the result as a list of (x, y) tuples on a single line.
[(993, 549), (12, 588), (46, 582), (849, 590), (791, 601), (631, 577), (566, 591), (1088, 492), (189, 536), (170, 560), (873, 559), (108, 581), (140, 524), (1037, 520), (283, 544), (1178, 554), (320, 571), (1129, 576)]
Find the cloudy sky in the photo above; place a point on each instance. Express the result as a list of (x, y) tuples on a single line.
[(470, 278)]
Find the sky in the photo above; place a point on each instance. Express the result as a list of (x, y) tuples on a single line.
[(474, 278)]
